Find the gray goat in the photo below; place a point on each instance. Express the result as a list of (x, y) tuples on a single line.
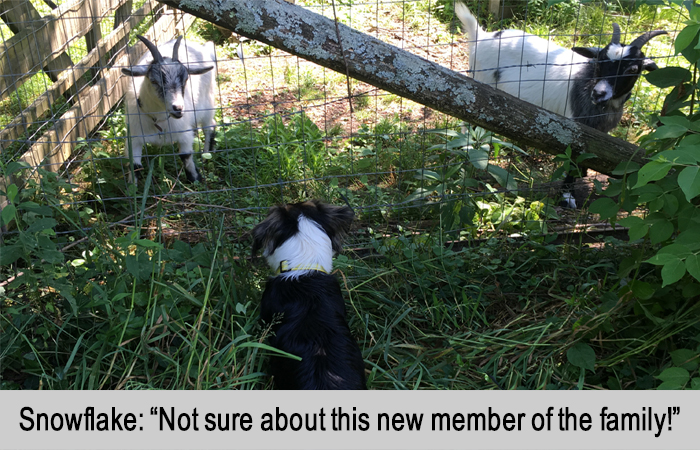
[(163, 108)]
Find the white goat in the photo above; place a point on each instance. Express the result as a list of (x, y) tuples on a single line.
[(163, 108), (589, 85)]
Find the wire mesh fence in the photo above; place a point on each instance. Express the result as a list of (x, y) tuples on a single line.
[(153, 272), (288, 129)]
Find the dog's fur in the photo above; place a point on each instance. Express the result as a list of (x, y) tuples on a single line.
[(305, 305)]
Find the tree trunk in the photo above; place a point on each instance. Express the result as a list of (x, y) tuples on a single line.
[(314, 38)]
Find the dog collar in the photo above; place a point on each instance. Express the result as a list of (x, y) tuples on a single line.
[(284, 267), (155, 120)]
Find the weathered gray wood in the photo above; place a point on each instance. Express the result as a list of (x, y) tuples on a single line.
[(120, 15), (15, 129), (495, 7), (20, 16), (313, 37), (93, 37), (44, 40)]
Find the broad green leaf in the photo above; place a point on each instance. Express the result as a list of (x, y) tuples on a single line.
[(675, 120), (692, 265), (689, 181), (689, 239), (479, 158), (45, 223), (652, 171), (661, 259), (419, 193), (638, 231), (584, 156), (132, 265), (668, 76), (660, 231), (11, 192), (625, 168), (685, 358), (8, 213), (36, 208), (670, 205), (695, 384), (581, 355), (648, 193), (670, 132), (642, 290), (504, 178), (425, 174), (678, 155), (686, 37), (677, 250), (672, 272), (669, 386), (147, 243), (605, 207), (9, 254), (15, 166), (630, 221), (676, 375), (688, 217)]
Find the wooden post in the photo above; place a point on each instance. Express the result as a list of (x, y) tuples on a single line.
[(120, 15), (20, 15), (495, 7), (93, 37)]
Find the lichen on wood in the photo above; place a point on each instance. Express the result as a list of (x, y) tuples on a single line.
[(314, 37)]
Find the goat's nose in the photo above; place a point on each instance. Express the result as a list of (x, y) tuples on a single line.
[(178, 108), (602, 92)]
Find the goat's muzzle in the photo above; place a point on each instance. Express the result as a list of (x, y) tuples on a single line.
[(176, 114)]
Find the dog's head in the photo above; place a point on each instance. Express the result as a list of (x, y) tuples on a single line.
[(302, 233)]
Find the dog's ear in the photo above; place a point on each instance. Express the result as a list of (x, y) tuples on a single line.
[(264, 232), (336, 221)]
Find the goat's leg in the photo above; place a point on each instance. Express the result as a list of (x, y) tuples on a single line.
[(210, 137), (186, 155), (134, 150)]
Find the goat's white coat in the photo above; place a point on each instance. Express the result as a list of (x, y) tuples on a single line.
[(531, 68), (310, 247), (198, 111)]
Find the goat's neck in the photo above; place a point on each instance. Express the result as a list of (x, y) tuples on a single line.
[(151, 103)]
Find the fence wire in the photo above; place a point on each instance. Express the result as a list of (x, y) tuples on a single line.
[(287, 129)]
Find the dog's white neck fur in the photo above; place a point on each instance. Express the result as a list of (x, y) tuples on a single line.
[(310, 247)]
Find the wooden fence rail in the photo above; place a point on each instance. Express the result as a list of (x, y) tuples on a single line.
[(41, 44)]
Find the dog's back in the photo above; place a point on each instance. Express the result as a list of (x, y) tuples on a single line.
[(313, 326), (303, 302)]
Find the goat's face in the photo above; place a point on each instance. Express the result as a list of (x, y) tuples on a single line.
[(169, 80), (167, 76), (616, 67)]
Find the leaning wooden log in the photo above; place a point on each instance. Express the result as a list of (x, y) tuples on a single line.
[(318, 39)]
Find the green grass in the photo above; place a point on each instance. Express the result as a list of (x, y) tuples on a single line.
[(450, 282)]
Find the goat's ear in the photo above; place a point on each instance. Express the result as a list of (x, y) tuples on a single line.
[(136, 71), (588, 52), (649, 65), (198, 70)]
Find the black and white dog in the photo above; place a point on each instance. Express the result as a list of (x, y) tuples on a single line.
[(303, 301)]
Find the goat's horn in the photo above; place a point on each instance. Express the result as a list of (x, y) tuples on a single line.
[(646, 37), (616, 34), (152, 48), (176, 47)]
